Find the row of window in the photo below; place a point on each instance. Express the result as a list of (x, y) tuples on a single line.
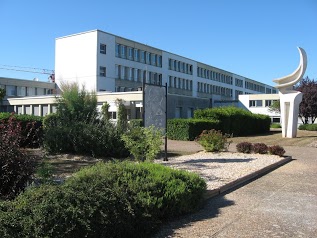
[(180, 66), (254, 87), (145, 57), (138, 75), (259, 103), (214, 89), (209, 74), (181, 83), (22, 91)]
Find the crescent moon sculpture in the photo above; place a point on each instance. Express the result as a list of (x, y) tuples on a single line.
[(287, 82), (289, 98)]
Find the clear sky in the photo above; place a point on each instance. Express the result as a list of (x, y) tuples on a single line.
[(253, 38)]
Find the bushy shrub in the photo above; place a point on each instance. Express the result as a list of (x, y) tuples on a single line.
[(236, 121), (143, 142), (31, 128), (308, 127), (213, 140), (16, 167), (189, 129), (105, 200), (259, 148), (244, 147), (276, 125), (136, 123), (276, 150)]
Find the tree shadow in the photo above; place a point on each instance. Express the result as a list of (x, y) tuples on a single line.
[(210, 209)]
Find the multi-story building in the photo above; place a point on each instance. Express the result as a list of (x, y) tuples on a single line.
[(20, 88), (106, 62)]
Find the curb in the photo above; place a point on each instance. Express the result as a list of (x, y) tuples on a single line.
[(246, 178)]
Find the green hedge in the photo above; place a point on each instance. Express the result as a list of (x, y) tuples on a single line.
[(32, 131), (236, 121), (189, 129), (308, 127), (105, 200)]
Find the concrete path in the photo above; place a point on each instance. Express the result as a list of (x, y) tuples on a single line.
[(282, 203)]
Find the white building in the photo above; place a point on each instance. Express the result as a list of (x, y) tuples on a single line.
[(105, 62)]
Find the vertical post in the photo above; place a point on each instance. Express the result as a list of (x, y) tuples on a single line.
[(165, 159)]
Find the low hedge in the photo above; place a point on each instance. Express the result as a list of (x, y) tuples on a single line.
[(189, 129), (32, 131), (308, 127), (105, 200), (236, 121)]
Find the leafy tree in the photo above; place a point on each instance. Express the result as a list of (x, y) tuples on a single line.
[(122, 120), (76, 104), (105, 111), (308, 106), (2, 93), (275, 107)]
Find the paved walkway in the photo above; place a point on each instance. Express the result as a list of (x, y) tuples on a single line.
[(282, 203)]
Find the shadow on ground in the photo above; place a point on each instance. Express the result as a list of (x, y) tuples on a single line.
[(210, 209)]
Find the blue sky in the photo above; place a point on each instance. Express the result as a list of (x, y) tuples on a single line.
[(253, 38)]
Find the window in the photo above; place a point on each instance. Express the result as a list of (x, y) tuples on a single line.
[(142, 54), (154, 59), (268, 103), (103, 49), (255, 103), (102, 71), (148, 58), (117, 71), (117, 50), (136, 55), (159, 61), (123, 51), (169, 63), (130, 53)]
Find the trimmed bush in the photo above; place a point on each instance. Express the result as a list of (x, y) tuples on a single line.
[(31, 128), (16, 167), (259, 148), (244, 147), (213, 140), (105, 200), (236, 121), (276, 150), (189, 129), (308, 127)]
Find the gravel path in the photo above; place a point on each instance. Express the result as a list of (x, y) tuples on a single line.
[(221, 168)]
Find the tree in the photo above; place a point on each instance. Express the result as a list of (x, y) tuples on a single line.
[(105, 111), (122, 120), (308, 106), (275, 107), (2, 94), (76, 104)]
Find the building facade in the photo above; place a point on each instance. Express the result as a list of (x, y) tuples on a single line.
[(106, 62), (20, 88)]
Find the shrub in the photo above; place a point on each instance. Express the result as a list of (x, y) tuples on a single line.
[(276, 150), (105, 200), (276, 125), (143, 142), (16, 167), (135, 123), (260, 148), (31, 128), (308, 127), (189, 129), (213, 140), (244, 147), (236, 121)]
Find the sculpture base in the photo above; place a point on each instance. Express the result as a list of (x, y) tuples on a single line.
[(289, 112)]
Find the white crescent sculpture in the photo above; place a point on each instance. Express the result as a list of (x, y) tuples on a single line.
[(289, 98), (287, 82)]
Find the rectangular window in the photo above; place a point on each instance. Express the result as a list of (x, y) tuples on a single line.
[(130, 53), (136, 55), (154, 59), (159, 61), (103, 49), (123, 51), (102, 71), (169, 63), (142, 54), (268, 103), (117, 50)]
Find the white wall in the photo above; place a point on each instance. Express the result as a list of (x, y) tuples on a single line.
[(76, 59)]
